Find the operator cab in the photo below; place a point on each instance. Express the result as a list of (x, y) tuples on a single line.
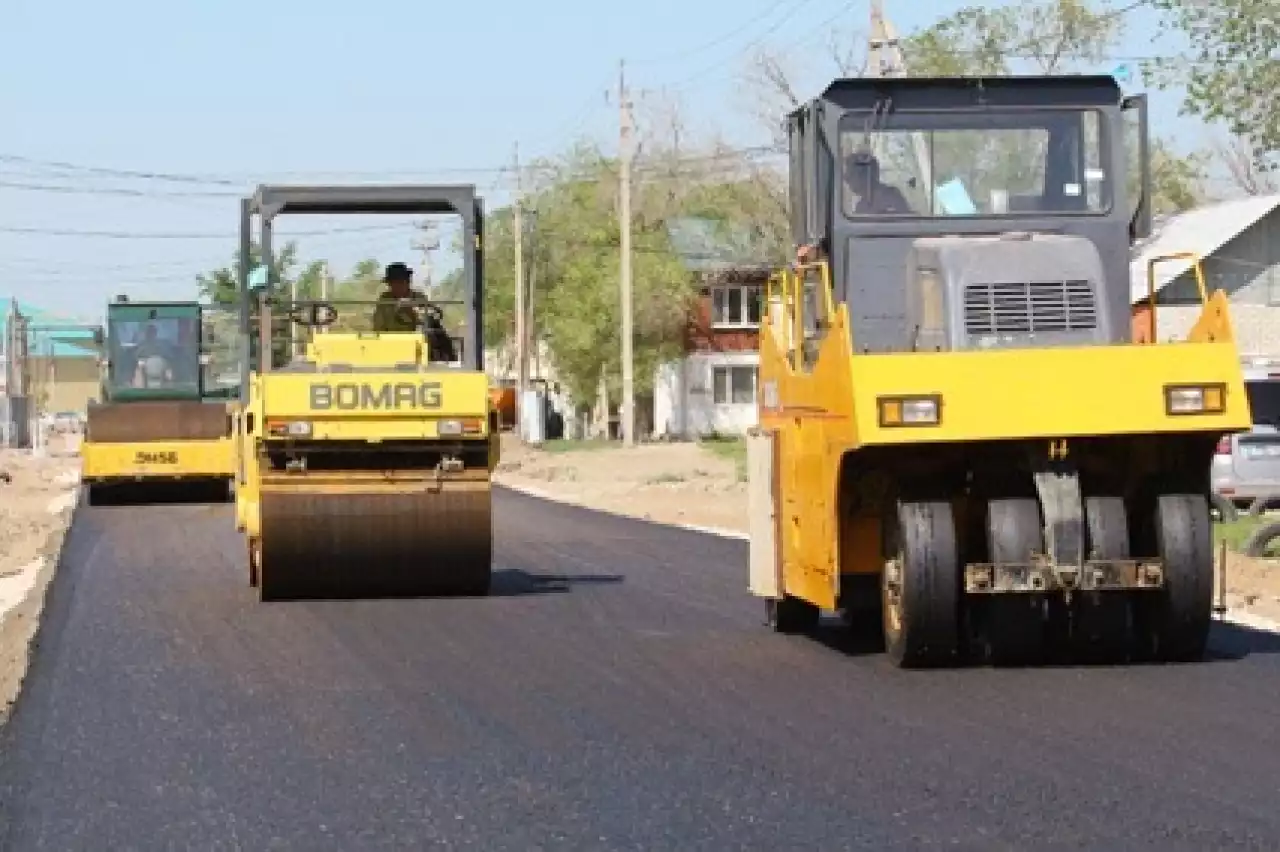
[(960, 213), (153, 351)]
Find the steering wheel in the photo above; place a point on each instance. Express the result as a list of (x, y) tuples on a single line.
[(314, 315)]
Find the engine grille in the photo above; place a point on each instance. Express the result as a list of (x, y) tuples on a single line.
[(1030, 307)]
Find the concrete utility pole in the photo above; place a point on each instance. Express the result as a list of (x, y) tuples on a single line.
[(625, 130), (429, 243), (522, 359), (885, 59)]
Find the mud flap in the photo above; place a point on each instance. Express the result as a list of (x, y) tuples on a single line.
[(1064, 525), (762, 513)]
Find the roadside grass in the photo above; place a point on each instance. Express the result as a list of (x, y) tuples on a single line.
[(728, 448), (1235, 532)]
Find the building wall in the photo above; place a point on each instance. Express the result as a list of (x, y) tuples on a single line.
[(64, 384), (706, 393), (1248, 270), (709, 330)]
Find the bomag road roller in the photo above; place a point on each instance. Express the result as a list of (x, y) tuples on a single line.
[(159, 427), (364, 458), (960, 442)]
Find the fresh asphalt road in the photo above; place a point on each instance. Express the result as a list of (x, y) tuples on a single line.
[(618, 691)]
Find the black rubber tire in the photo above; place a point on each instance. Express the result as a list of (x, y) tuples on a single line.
[(1173, 624), (923, 630), (1100, 628), (1015, 625), (1226, 510), (1258, 541), (792, 615), (1258, 507)]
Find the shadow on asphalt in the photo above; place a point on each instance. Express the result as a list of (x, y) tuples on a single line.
[(1235, 642), (513, 583), (158, 494), (1227, 643)]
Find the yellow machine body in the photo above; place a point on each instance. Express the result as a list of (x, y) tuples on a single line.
[(844, 406), (960, 439), (129, 446), (366, 472)]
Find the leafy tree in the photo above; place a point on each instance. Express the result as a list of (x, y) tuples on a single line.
[(1232, 74)]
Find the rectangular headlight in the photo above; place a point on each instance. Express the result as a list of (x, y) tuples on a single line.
[(450, 428), (1195, 399), (289, 428), (910, 410)]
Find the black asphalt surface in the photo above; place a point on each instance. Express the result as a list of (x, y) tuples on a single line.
[(617, 692)]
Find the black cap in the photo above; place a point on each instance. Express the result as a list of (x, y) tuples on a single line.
[(397, 272)]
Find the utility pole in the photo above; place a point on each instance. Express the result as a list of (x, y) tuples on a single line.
[(625, 130), (885, 58), (522, 361), (429, 243)]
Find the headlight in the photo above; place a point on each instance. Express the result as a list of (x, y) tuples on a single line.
[(451, 428), (1195, 399), (289, 428), (910, 410)]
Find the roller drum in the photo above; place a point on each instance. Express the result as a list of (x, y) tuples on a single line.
[(406, 539)]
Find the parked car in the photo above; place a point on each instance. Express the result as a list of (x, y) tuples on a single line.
[(1246, 465)]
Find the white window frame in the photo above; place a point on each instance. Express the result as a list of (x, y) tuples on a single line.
[(722, 389), (720, 307)]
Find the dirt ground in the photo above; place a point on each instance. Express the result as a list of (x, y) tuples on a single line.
[(36, 504), (700, 485)]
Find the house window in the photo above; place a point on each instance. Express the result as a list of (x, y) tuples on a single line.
[(736, 305), (733, 384)]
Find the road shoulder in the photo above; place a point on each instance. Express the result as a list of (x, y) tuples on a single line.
[(37, 506)]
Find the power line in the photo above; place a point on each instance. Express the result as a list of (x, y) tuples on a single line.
[(716, 42)]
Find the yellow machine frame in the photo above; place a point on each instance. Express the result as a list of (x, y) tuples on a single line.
[(1011, 497), (364, 468)]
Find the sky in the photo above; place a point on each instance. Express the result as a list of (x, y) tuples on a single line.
[(223, 94)]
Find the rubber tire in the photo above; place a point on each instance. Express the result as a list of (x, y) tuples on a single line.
[(1103, 617), (791, 615), (1256, 544), (929, 634), (1176, 620), (1016, 626), (1228, 512)]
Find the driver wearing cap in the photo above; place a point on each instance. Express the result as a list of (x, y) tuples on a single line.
[(401, 308), (392, 313)]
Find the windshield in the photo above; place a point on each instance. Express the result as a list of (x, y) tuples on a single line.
[(155, 354), (972, 163)]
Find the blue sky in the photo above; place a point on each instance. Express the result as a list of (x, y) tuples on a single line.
[(240, 91)]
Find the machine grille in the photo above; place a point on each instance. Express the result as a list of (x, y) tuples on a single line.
[(1029, 307)]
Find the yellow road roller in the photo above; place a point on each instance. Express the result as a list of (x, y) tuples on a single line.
[(960, 444), (364, 459), (159, 426)]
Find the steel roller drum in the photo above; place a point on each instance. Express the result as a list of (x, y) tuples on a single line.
[(344, 536)]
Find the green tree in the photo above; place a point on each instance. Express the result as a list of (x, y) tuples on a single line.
[(1232, 73)]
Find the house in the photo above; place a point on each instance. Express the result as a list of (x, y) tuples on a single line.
[(711, 388), (62, 361), (1239, 242)]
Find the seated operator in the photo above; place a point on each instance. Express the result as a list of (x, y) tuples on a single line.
[(400, 308), (862, 173), (153, 359), (875, 198)]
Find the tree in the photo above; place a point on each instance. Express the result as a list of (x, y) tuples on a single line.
[(1232, 74), (220, 286), (1041, 37)]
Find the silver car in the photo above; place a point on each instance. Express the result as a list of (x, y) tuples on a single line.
[(1246, 465)]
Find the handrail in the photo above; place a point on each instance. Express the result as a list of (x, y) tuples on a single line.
[(1197, 263)]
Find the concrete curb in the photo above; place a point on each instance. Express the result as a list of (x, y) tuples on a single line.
[(1240, 619)]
